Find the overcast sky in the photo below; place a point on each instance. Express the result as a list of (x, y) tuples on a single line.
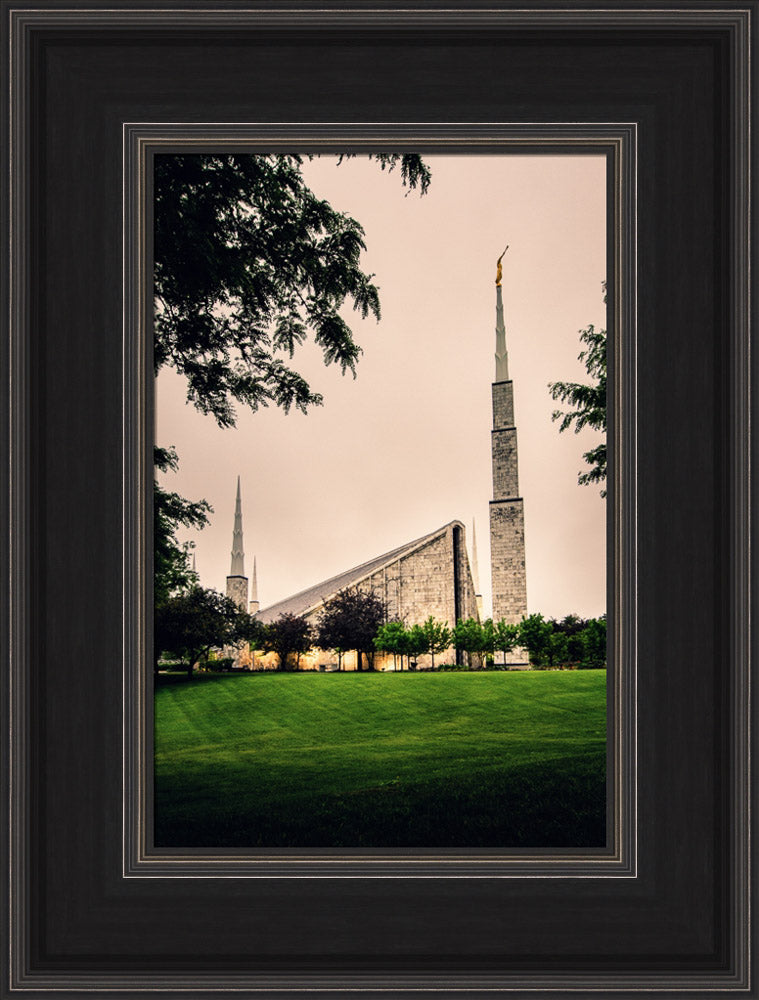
[(405, 447)]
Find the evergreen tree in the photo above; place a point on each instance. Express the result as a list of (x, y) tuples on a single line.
[(594, 643), (588, 402)]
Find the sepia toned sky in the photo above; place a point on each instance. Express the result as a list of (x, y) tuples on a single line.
[(405, 447)]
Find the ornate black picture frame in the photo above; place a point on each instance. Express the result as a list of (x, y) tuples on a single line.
[(93, 91)]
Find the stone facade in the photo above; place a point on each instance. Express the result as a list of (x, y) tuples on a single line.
[(237, 590), (430, 576), (508, 563)]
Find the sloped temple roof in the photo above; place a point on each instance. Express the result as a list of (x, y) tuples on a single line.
[(320, 593)]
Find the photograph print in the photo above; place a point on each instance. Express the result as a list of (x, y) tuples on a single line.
[(379, 556)]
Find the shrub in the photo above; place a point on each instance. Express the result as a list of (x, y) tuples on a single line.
[(594, 644)]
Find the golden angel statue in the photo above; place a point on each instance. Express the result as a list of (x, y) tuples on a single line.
[(499, 272)]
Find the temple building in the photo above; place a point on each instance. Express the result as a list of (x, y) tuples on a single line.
[(431, 575), (428, 576)]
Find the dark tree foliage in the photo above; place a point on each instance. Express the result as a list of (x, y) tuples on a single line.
[(570, 642), (190, 624), (248, 263), (594, 643), (571, 627), (468, 635), (535, 635), (588, 402), (351, 620), (172, 572), (251, 630), (288, 635)]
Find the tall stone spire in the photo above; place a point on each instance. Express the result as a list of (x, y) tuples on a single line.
[(507, 557), (237, 581), (501, 354), (238, 555)]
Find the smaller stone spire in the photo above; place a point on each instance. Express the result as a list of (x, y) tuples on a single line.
[(238, 556), (476, 571), (475, 565), (254, 604)]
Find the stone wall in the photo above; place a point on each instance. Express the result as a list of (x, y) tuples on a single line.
[(508, 574), (414, 587), (237, 589), (505, 468), (507, 558), (503, 404)]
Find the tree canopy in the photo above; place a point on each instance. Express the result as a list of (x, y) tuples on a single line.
[(191, 623), (247, 262), (351, 620), (171, 570), (287, 635), (438, 637)]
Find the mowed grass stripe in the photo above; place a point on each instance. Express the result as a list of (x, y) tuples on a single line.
[(477, 759)]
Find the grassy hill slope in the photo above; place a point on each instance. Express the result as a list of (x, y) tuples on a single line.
[(382, 760)]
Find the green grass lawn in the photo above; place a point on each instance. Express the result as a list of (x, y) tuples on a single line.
[(482, 759)]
